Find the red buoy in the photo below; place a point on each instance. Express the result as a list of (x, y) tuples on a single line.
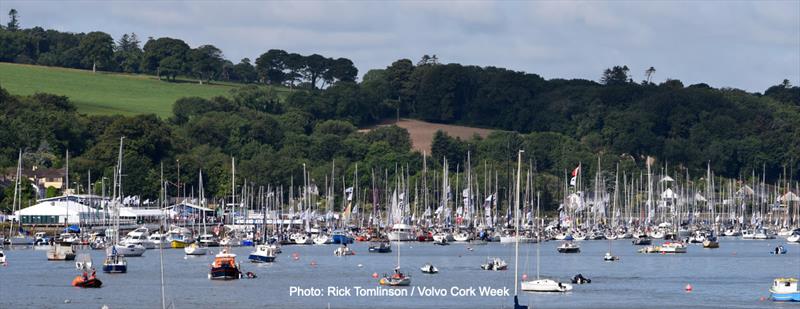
[(375, 275), (688, 287)]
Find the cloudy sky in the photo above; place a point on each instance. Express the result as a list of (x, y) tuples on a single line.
[(742, 44)]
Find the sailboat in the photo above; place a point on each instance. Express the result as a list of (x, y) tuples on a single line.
[(195, 248), (21, 238), (397, 278), (114, 261), (543, 285)]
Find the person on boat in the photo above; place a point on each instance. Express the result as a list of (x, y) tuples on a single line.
[(85, 276), (93, 275)]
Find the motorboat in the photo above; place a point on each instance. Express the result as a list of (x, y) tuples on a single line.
[(785, 289), (82, 281), (2, 257), (381, 247), (179, 237), (61, 252), (263, 254), (443, 236), (642, 241), (301, 239), (195, 249), (569, 247), (580, 279), (40, 238), (711, 242), (225, 267), (159, 240), (794, 238), (732, 232), (396, 279), (20, 240), (140, 236), (402, 232), (322, 239), (209, 240), (343, 251), (545, 285), (429, 269), (779, 250), (495, 264), (231, 241), (115, 263), (462, 236), (761, 234), (341, 237), (673, 247), (128, 250), (441, 242)]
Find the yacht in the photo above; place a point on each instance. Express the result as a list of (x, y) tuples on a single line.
[(263, 254), (545, 285), (569, 247), (195, 249), (139, 236), (61, 251), (209, 240), (402, 232), (673, 247)]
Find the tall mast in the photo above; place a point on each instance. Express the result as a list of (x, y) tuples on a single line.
[(516, 224)]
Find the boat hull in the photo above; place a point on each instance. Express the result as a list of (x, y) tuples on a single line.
[(115, 268), (224, 273), (256, 258), (791, 297)]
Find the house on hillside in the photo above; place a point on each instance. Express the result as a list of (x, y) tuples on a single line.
[(42, 178)]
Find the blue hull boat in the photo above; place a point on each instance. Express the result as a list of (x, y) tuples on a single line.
[(256, 258), (342, 239), (115, 268), (795, 297)]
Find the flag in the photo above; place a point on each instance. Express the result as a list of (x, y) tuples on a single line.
[(576, 171), (572, 181)]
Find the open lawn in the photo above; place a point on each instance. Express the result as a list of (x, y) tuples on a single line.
[(108, 93)]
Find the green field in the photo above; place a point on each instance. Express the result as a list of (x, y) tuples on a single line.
[(107, 93)]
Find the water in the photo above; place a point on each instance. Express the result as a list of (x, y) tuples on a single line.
[(736, 275)]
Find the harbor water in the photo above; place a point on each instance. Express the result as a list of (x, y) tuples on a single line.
[(737, 275)]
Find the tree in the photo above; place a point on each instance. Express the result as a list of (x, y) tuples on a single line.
[(97, 47), (342, 69), (617, 75), (157, 50), (13, 21), (245, 72), (649, 73), (270, 66), (206, 62), (170, 67), (128, 54), (316, 66)]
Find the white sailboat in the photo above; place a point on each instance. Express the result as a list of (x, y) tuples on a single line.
[(21, 239), (543, 285), (114, 261)]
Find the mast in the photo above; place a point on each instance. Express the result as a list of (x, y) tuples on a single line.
[(516, 224)]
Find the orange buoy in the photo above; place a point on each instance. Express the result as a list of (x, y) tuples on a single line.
[(688, 287), (375, 275), (296, 256)]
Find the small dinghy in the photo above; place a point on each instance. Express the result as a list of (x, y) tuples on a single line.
[(495, 264), (343, 251), (396, 279), (580, 279), (779, 250), (429, 269), (84, 281)]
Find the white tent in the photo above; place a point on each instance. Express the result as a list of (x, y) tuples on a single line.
[(789, 197), (53, 212)]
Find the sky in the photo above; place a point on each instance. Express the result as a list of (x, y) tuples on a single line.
[(749, 45)]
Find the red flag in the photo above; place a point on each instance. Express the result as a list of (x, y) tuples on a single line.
[(576, 171)]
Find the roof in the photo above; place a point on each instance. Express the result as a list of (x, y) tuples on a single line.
[(54, 208)]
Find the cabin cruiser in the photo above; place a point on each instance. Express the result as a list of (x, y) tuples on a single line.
[(263, 254), (381, 247), (569, 247), (301, 238), (139, 236), (179, 237), (785, 289), (443, 236), (128, 249), (61, 251), (341, 237), (209, 240), (195, 249), (673, 247), (159, 240), (402, 232)]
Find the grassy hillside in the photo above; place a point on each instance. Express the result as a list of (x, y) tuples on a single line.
[(107, 93)]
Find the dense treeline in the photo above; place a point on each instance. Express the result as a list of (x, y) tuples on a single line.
[(165, 57)]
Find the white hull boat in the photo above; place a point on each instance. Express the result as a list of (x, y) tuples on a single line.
[(545, 285)]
